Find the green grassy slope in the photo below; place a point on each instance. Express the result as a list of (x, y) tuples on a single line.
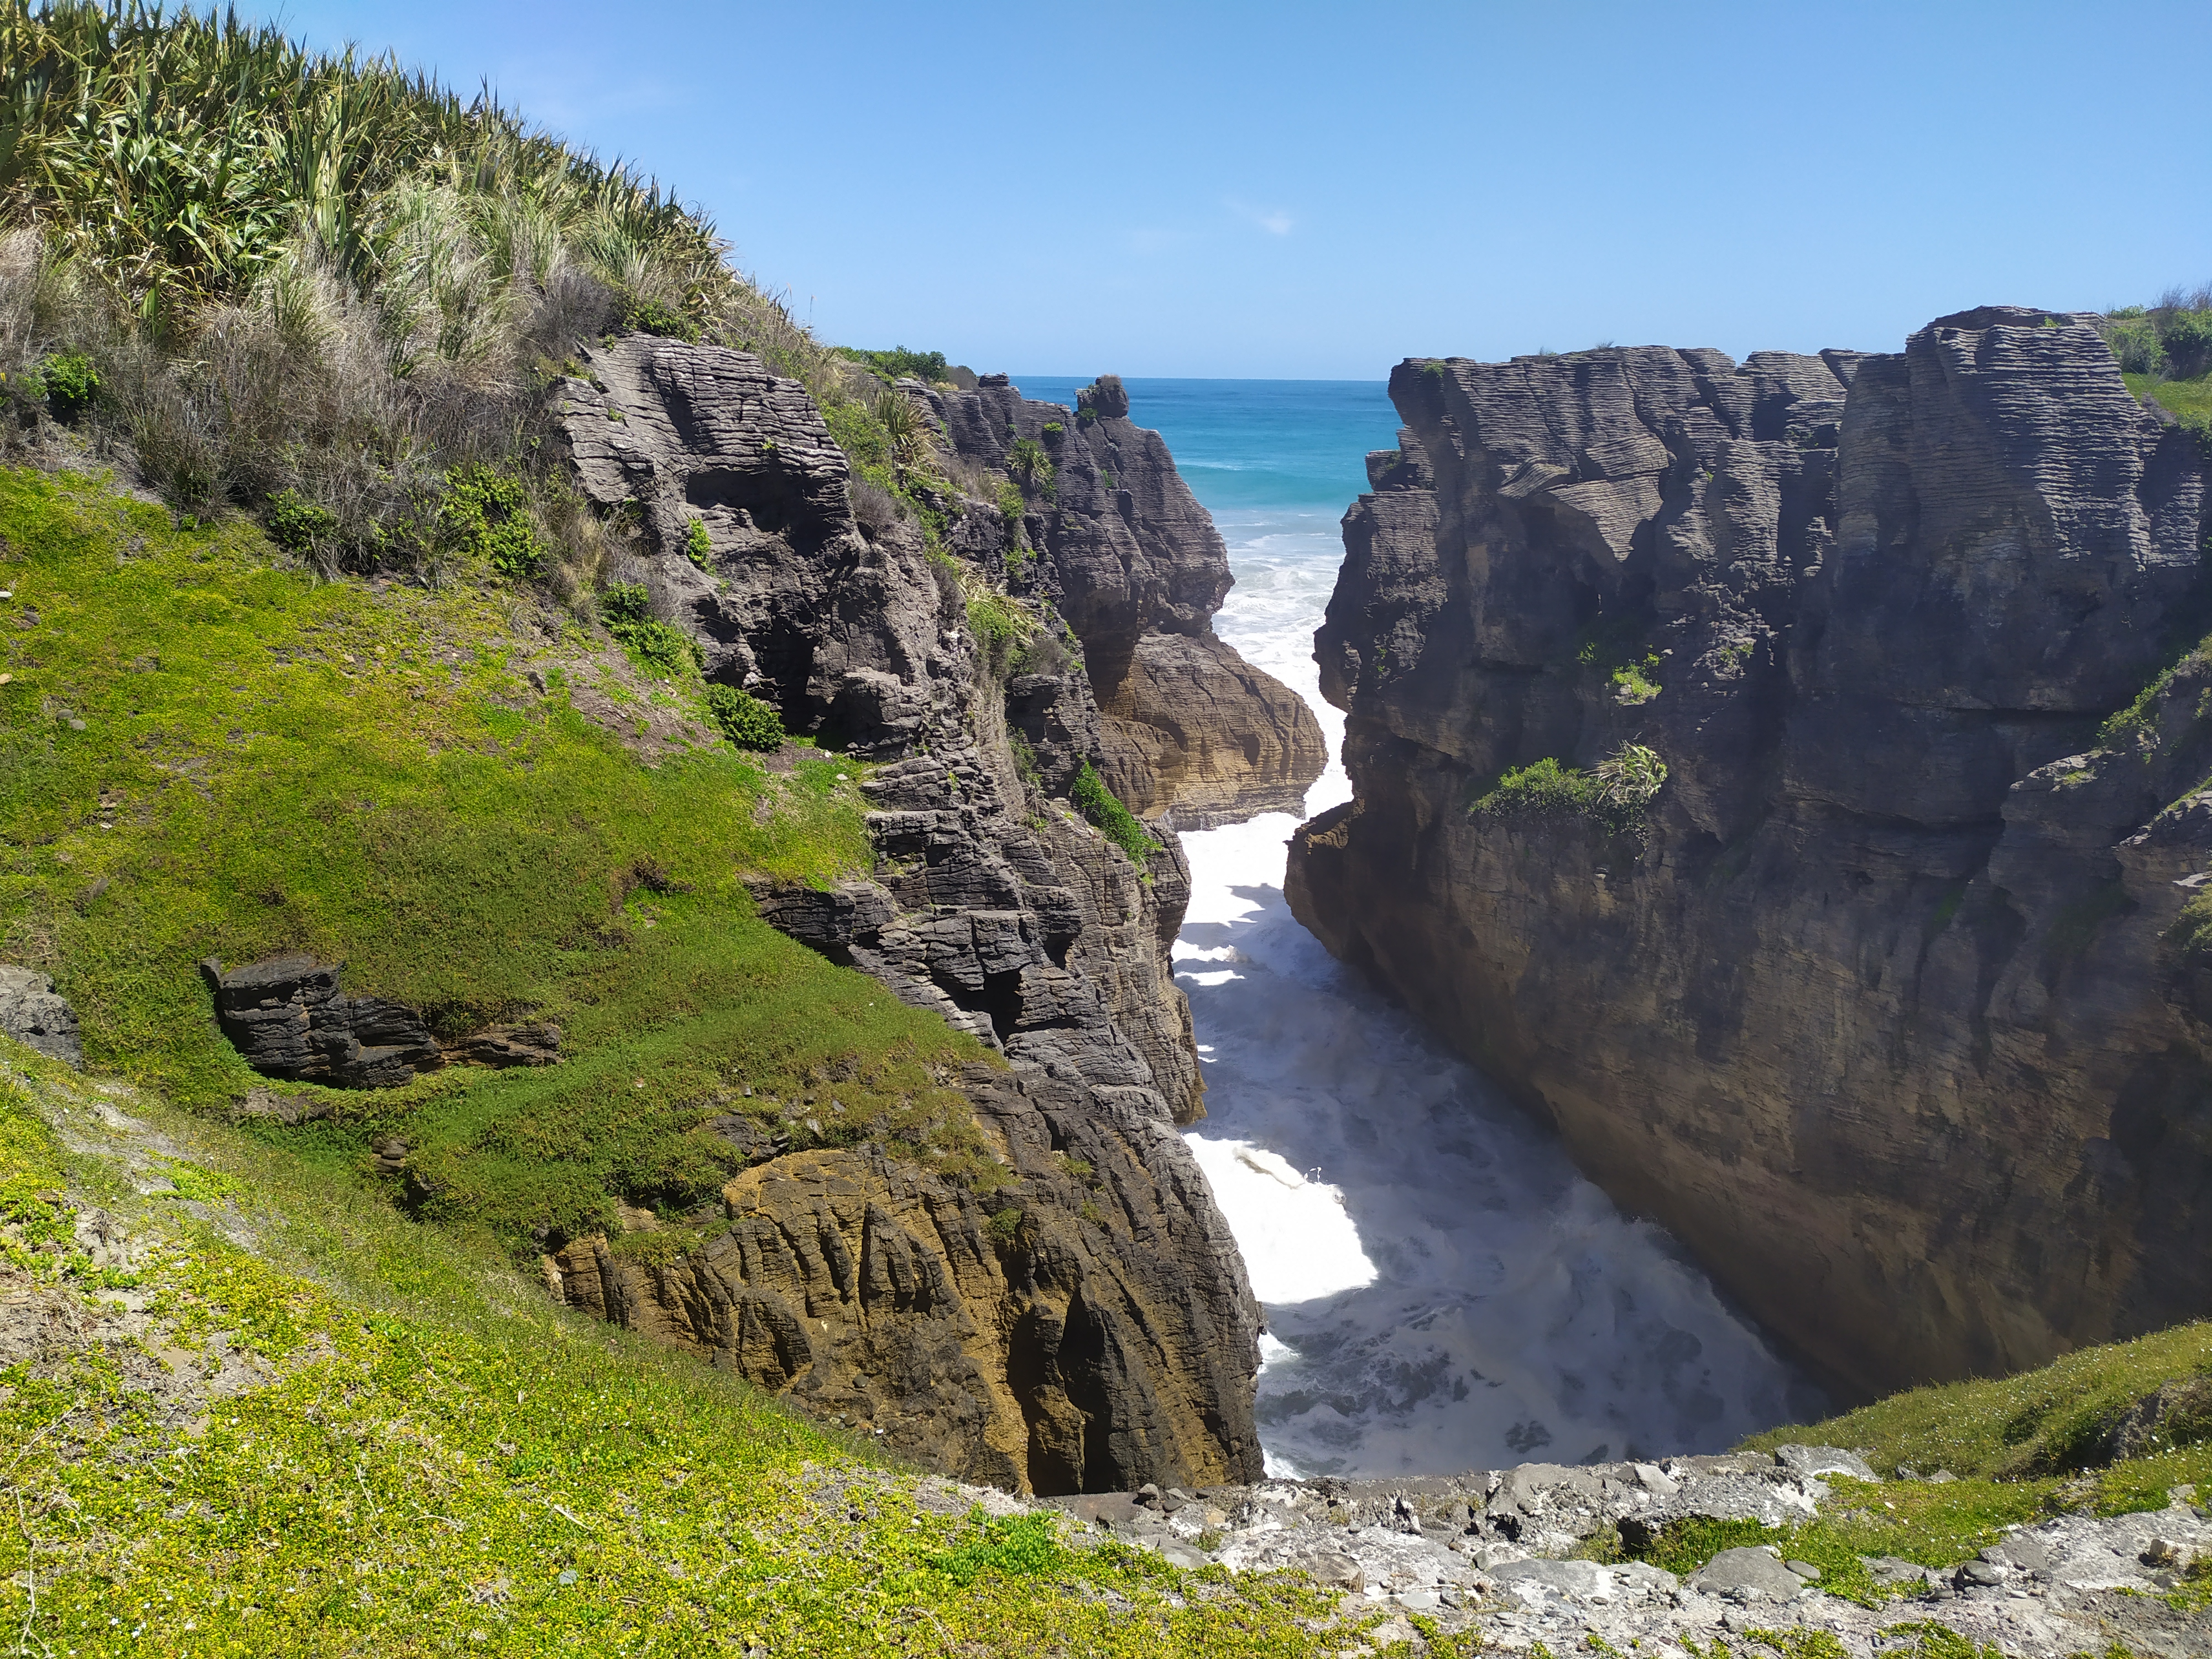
[(204, 753), (433, 1460)]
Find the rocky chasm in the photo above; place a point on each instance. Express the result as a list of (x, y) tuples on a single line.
[(1887, 1002), (1088, 1326)]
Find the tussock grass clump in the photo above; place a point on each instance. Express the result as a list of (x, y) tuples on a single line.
[(270, 273), (1615, 793)]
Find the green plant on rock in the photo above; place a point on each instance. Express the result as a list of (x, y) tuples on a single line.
[(1106, 813), (649, 315), (1006, 1226), (1028, 463), (1012, 505), (1613, 793), (904, 430), (746, 720), (1636, 682), (484, 514), (627, 608), (698, 545)]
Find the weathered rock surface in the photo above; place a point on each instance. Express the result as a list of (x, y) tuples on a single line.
[(1110, 1337), (1495, 1553), (1878, 1011), (1132, 561), (33, 1013), (286, 1016), (1086, 1339)]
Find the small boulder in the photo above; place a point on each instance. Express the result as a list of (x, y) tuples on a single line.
[(33, 1013), (1813, 1462), (1754, 1570)]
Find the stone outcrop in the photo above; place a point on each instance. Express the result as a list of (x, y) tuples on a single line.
[(33, 1013), (1883, 1006), (286, 1016), (1123, 551), (1105, 1333), (1073, 1333)]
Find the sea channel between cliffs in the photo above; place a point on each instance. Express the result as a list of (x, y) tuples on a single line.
[(1442, 1290)]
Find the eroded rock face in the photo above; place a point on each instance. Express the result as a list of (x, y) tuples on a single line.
[(1072, 1335), (1110, 1337), (286, 1016), (1877, 1012), (1135, 565)]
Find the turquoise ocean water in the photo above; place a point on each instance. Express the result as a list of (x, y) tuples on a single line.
[(1443, 1291)]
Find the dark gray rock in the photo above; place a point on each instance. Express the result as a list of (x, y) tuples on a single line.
[(36, 1016), (286, 1016), (1125, 554), (1870, 611)]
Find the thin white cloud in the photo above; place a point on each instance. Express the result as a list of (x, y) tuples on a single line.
[(1276, 221)]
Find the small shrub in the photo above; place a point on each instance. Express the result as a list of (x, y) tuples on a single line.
[(1086, 415), (1018, 1546), (2186, 336), (650, 316), (484, 514), (2135, 342), (1030, 464), (1012, 505), (71, 381), (1000, 627), (1116, 821), (903, 428), (628, 610), (745, 719), (1636, 682), (929, 366), (1053, 432), (698, 546), (297, 525), (1007, 1225)]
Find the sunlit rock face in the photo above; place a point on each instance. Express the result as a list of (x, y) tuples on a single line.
[(1878, 1004)]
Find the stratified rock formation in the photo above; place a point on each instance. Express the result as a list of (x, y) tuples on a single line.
[(1087, 1324), (1887, 1005), (1132, 561)]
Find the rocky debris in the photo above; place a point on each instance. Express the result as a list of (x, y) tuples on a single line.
[(1127, 555), (1869, 611), (33, 1013), (285, 1016), (1428, 1548)]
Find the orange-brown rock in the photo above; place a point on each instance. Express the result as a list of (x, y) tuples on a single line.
[(1194, 727), (1069, 1332)]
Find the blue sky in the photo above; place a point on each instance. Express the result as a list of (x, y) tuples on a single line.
[(1317, 190)]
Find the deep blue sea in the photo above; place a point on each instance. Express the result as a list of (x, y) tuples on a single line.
[(1444, 1291)]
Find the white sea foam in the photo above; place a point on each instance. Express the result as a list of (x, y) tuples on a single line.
[(1443, 1291)]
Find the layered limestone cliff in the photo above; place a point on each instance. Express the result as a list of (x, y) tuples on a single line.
[(1885, 1003), (1129, 557), (1086, 1324)]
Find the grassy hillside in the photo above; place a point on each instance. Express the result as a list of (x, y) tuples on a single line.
[(204, 752), (361, 1436), (2166, 353)]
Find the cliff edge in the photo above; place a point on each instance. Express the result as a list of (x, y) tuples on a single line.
[(1776, 774)]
